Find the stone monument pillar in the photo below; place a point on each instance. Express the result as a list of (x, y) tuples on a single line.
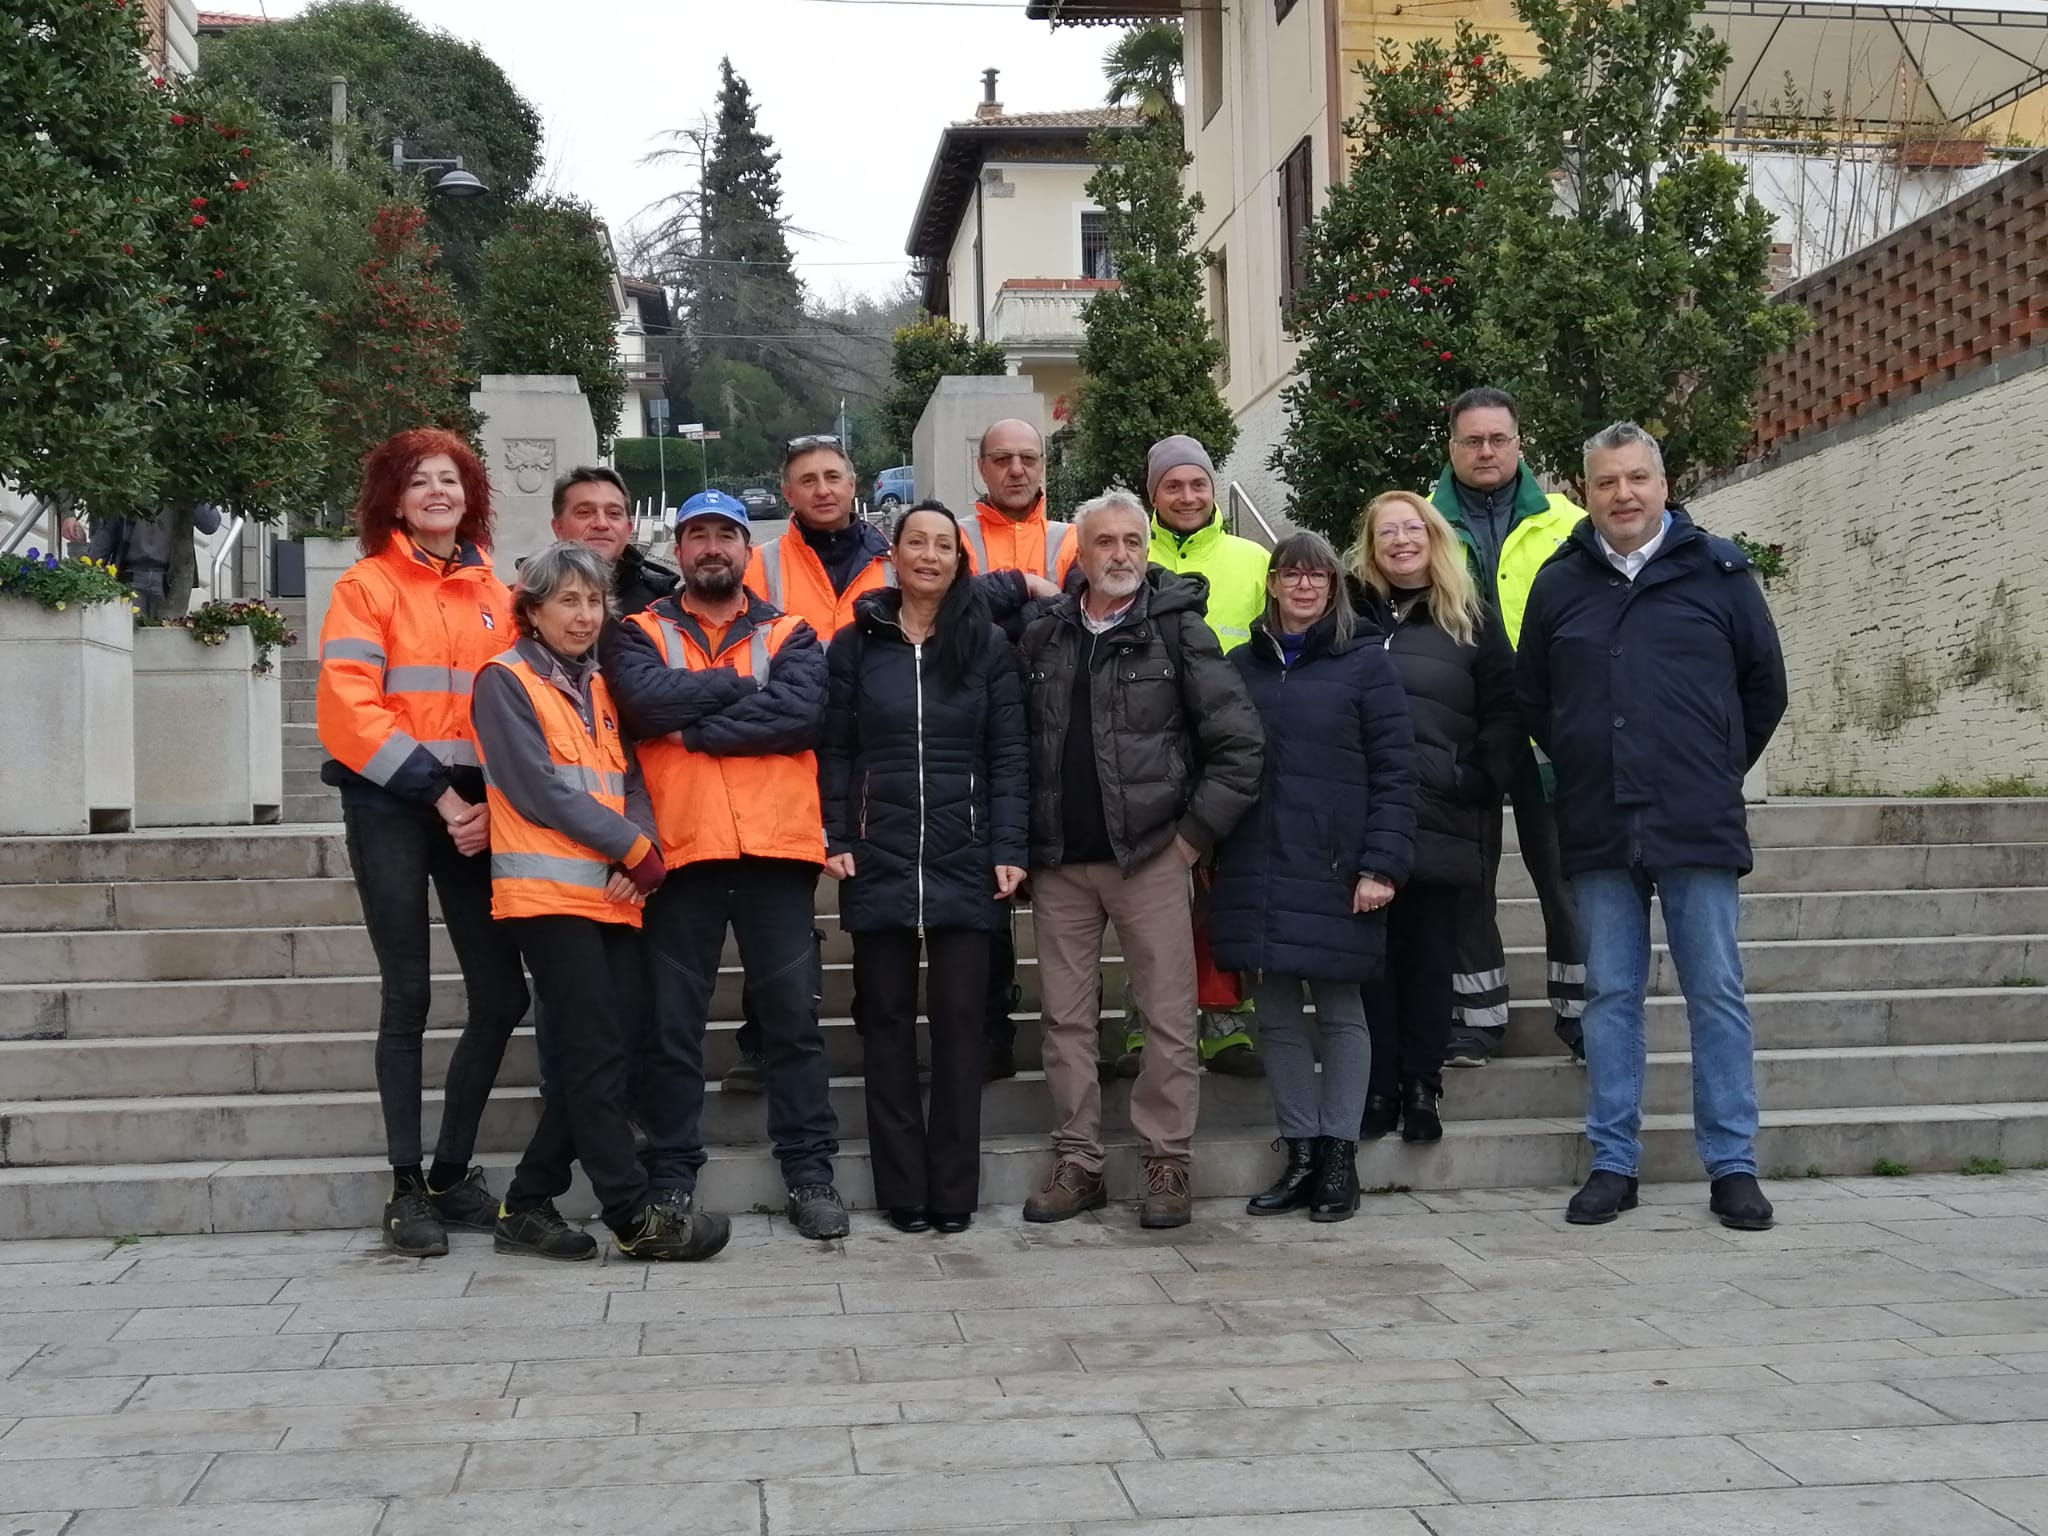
[(537, 426), (943, 445)]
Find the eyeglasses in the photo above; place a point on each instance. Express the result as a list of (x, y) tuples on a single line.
[(1499, 442), (1399, 531), (802, 445), (1298, 576)]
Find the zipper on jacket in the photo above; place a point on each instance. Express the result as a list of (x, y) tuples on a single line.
[(917, 662), (867, 779), (973, 820)]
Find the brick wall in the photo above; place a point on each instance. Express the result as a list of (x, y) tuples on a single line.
[(1942, 297)]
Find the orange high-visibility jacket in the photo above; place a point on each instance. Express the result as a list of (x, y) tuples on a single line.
[(739, 780), (1034, 543), (399, 652), (556, 783), (788, 572)]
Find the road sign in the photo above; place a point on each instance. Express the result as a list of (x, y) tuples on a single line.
[(702, 436), (688, 428)]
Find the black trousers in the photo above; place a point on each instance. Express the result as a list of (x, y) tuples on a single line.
[(935, 1164), (767, 903), (588, 977), (1480, 965), (394, 855), (1408, 1008), (998, 1026)]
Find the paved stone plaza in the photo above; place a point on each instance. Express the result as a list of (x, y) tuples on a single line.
[(1462, 1364)]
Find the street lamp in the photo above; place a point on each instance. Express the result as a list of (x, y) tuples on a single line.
[(453, 181)]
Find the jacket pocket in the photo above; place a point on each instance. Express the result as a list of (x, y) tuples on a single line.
[(1147, 692)]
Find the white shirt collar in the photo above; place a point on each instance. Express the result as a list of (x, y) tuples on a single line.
[(1631, 566)]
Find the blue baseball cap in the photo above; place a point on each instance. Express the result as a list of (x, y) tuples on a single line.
[(714, 504)]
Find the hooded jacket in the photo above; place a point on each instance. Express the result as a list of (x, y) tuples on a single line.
[(1337, 801), (925, 783), (1653, 697), (1177, 744), (1234, 568)]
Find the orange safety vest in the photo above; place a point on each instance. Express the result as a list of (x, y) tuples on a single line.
[(399, 653), (1034, 543), (708, 807), (536, 871), (789, 574)]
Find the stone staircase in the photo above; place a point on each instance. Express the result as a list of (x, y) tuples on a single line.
[(306, 799), (187, 1021)]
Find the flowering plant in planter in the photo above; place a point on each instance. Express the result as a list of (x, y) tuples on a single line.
[(57, 583), (211, 622)]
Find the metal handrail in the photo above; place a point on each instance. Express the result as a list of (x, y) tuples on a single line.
[(1238, 497), (228, 545), (25, 525)]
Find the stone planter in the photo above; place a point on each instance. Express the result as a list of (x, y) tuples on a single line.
[(209, 733), (70, 753), (326, 559)]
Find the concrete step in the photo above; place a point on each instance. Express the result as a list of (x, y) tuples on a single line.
[(302, 782), (301, 736), (305, 757), (300, 712), (322, 810), (1844, 822), (308, 1193), (299, 690)]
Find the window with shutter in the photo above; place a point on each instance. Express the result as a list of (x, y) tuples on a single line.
[(1295, 211)]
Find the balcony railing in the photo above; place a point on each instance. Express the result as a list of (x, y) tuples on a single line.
[(1042, 315)]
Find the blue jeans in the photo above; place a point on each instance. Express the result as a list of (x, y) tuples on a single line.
[(1700, 913)]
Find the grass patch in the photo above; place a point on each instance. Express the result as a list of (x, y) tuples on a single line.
[(1983, 1165), (1386, 1189), (1816, 1172), (1889, 1168), (2019, 981), (2010, 787), (127, 1239)]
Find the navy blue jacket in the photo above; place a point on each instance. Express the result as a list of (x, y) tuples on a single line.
[(1652, 697), (1339, 799), (927, 785)]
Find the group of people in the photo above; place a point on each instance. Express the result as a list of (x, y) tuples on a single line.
[(1279, 775)]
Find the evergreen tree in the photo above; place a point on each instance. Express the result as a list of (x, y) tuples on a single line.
[(546, 306), (926, 351), (1643, 294), (393, 351), (1387, 315), (1150, 356), (88, 347)]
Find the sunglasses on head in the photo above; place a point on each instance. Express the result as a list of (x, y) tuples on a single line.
[(798, 446)]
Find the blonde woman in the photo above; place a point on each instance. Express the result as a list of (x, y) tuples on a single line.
[(1459, 674)]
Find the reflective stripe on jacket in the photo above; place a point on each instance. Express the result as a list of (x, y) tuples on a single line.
[(732, 793), (399, 653), (538, 870), (1235, 569), (788, 572), (1035, 543)]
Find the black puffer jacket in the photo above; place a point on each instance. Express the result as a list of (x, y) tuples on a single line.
[(926, 785), (639, 582), (1338, 801), (1177, 742), (1461, 701)]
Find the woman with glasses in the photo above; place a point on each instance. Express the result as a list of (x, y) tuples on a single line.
[(1302, 884), (1453, 660)]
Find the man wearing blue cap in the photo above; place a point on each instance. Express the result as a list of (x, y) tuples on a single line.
[(724, 695)]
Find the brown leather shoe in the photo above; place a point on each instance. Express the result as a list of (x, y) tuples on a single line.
[(1167, 1201), (1069, 1190)]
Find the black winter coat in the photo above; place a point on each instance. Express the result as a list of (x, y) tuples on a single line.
[(1177, 744), (639, 582), (926, 785), (1461, 701), (1338, 801), (1652, 697)]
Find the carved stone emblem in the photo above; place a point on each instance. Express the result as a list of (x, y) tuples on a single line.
[(530, 461)]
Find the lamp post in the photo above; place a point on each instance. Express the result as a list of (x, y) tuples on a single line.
[(454, 181)]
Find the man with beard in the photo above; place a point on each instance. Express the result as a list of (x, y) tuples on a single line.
[(1145, 751), (726, 697)]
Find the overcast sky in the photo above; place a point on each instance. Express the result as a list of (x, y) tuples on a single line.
[(855, 93)]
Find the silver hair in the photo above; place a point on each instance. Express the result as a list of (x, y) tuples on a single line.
[(541, 576), (1623, 434), (1118, 500)]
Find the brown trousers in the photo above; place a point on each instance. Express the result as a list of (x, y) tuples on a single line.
[(1070, 907)]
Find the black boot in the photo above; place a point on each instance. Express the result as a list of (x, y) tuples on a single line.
[(1419, 1119), (1292, 1190), (1336, 1196), (1382, 1116)]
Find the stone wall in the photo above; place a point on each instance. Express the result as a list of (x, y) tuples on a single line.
[(1915, 608)]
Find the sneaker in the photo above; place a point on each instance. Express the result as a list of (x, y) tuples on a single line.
[(1128, 1064), (1001, 1062), (541, 1233), (815, 1211), (1168, 1201), (1603, 1197), (666, 1234), (468, 1203), (1739, 1201), (412, 1226), (1235, 1061), (1068, 1190), (748, 1075), (1468, 1050)]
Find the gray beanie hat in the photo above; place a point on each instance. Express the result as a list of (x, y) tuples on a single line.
[(1171, 453)]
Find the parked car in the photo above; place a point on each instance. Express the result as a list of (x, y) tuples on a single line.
[(761, 502), (893, 487)]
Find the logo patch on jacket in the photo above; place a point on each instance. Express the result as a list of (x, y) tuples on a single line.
[(489, 622)]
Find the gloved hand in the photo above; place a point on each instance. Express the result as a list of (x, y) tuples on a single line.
[(648, 874)]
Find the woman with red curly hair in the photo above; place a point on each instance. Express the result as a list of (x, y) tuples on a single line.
[(407, 630)]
